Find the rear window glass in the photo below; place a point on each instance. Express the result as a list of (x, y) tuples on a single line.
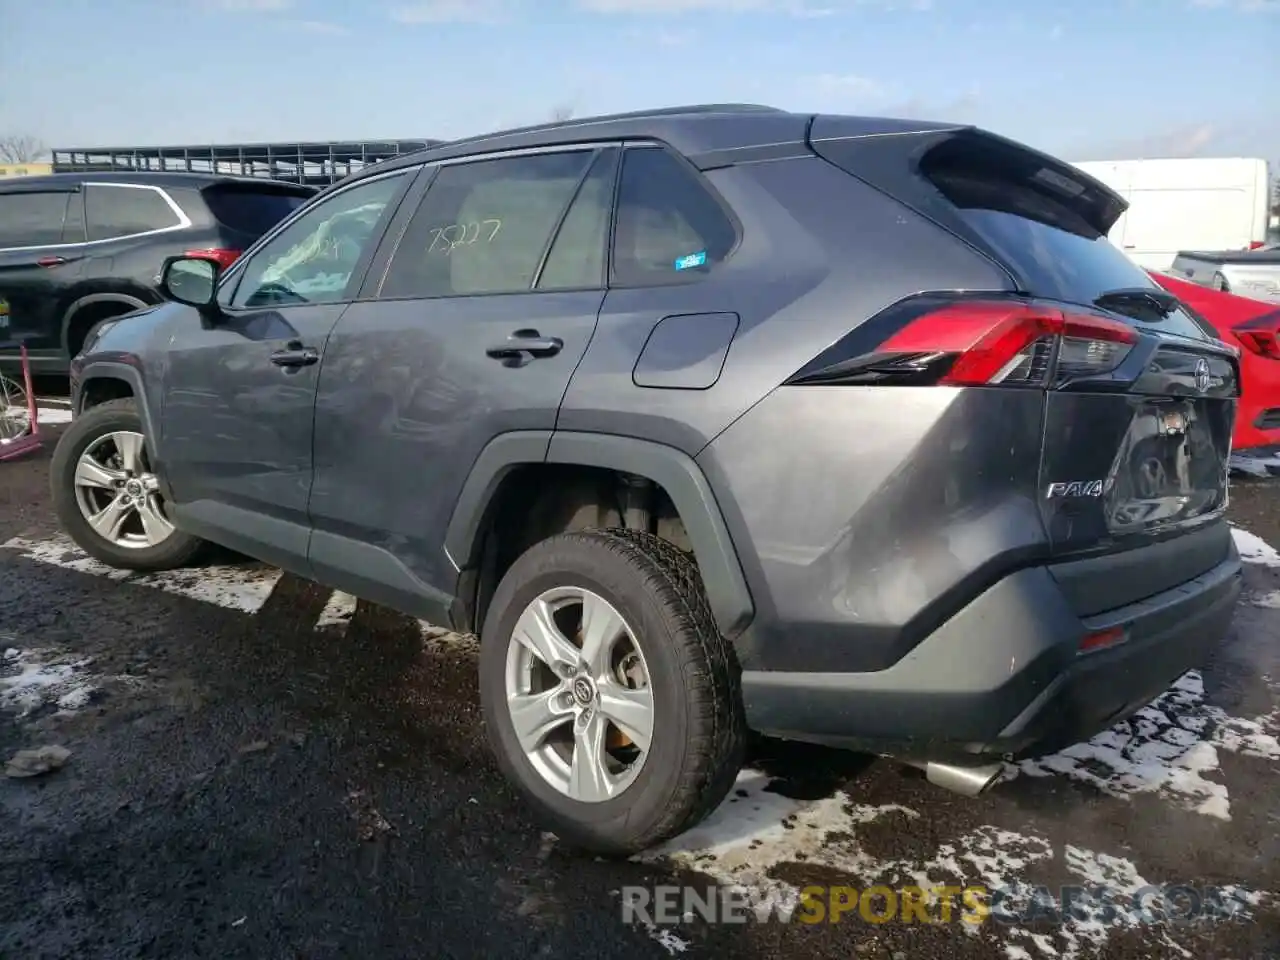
[(1053, 248), (251, 211)]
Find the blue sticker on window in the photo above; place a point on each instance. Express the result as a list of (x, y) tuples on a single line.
[(698, 259)]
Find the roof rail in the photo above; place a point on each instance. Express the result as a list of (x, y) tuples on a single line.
[(678, 111)]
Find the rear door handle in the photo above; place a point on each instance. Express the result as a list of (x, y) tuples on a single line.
[(295, 356), (525, 346)]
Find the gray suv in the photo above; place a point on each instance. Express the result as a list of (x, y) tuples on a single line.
[(706, 420)]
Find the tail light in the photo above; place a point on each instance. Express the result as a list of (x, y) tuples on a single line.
[(1256, 245), (1261, 335), (972, 342), (222, 257)]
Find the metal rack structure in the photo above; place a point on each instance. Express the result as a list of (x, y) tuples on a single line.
[(314, 164)]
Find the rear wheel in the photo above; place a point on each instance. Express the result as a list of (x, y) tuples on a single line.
[(611, 699), (107, 496)]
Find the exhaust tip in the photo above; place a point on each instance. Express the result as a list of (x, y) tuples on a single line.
[(966, 781)]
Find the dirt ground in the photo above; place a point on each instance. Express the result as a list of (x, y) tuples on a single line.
[(256, 771)]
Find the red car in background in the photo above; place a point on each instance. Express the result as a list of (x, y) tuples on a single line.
[(1254, 327)]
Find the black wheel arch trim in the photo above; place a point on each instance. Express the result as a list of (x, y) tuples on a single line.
[(676, 472), (91, 299), (110, 370)]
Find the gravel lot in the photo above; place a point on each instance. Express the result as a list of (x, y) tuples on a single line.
[(261, 769)]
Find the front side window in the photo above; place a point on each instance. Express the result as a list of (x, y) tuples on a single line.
[(116, 211), (31, 219), (483, 226), (670, 228), (312, 259)]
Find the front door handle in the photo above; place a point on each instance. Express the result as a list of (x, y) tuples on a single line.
[(295, 356), (525, 346)]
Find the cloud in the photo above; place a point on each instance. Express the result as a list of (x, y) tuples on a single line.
[(848, 87), (795, 8), (503, 11), (853, 93), (1244, 6), (454, 11), (1055, 32), (664, 38), (253, 6), (962, 107), (320, 26), (1191, 140)]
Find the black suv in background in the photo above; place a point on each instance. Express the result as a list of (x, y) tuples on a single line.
[(76, 249)]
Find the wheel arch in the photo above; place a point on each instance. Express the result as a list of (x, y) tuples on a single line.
[(671, 469), (96, 301), (101, 381)]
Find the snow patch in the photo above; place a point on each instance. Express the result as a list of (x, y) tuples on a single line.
[(243, 588), (338, 611), (51, 416), (1170, 748), (1268, 601), (667, 940), (1253, 549), (442, 640), (755, 831), (29, 679)]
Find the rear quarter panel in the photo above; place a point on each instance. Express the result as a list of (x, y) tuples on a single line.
[(820, 252)]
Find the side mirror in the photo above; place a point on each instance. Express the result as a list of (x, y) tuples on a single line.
[(190, 280)]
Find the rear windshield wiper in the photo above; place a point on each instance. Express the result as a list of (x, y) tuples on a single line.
[(1155, 300)]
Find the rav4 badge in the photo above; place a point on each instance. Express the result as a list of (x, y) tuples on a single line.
[(1076, 488)]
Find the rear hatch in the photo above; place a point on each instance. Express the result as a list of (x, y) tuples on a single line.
[(246, 210), (1140, 394)]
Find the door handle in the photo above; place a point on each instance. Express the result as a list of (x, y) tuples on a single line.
[(295, 356), (525, 346)]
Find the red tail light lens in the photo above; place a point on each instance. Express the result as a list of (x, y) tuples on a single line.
[(997, 342), (1257, 245), (222, 257), (975, 343), (1261, 335)]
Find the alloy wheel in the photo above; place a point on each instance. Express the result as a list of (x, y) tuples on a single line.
[(578, 693), (118, 493)]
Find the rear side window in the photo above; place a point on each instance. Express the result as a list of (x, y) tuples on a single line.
[(248, 210), (32, 219), (483, 226), (670, 228), (1027, 216), (122, 211)]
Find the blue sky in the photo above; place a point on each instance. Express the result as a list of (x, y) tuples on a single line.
[(1093, 79)]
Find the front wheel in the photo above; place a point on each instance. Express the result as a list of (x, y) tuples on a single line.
[(611, 698), (107, 497)]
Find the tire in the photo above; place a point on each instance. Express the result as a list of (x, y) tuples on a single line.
[(177, 550), (699, 729)]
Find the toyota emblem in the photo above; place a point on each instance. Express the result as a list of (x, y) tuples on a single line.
[(1202, 375)]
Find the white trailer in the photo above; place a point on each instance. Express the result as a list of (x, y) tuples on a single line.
[(1210, 203)]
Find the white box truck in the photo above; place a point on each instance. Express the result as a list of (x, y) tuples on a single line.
[(1209, 203)]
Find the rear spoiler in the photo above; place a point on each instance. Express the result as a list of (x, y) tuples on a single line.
[(890, 160)]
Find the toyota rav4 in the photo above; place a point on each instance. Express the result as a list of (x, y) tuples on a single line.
[(706, 420)]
